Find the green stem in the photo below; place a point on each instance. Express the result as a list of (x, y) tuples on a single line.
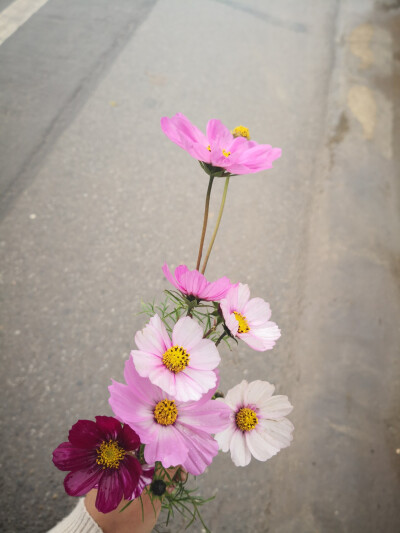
[(203, 233), (221, 210), (220, 338)]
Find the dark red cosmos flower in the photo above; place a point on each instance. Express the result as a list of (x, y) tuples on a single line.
[(96, 455)]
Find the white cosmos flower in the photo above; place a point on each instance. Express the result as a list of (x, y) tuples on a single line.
[(258, 425)]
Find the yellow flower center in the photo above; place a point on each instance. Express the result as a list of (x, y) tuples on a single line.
[(110, 454), (243, 324), (176, 359), (246, 419), (226, 154), (241, 131), (209, 148), (165, 412)]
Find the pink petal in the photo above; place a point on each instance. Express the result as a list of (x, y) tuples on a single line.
[(153, 338), (218, 135), (163, 378), (231, 322), (213, 417), (187, 333), (183, 133), (257, 311), (261, 338), (204, 356), (139, 387), (216, 290), (203, 449), (145, 362), (191, 384), (170, 277), (180, 273), (194, 282), (169, 447), (128, 409)]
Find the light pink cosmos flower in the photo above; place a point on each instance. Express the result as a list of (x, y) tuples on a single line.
[(174, 432), (237, 155), (184, 367), (257, 424), (248, 319), (192, 283)]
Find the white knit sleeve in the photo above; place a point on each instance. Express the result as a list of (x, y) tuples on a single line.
[(78, 521)]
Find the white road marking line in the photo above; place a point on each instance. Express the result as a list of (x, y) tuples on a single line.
[(16, 14)]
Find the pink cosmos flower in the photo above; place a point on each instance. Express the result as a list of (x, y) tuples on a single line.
[(97, 456), (220, 148), (257, 424), (174, 432), (183, 367), (248, 319), (192, 283)]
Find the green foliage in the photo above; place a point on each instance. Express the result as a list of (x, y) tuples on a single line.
[(176, 305), (178, 499)]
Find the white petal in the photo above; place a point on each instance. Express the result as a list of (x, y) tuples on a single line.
[(240, 453), (259, 447), (275, 407), (224, 438), (257, 390), (235, 396), (278, 433)]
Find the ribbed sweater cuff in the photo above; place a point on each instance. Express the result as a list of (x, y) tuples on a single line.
[(79, 521)]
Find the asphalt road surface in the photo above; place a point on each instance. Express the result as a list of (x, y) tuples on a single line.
[(94, 198)]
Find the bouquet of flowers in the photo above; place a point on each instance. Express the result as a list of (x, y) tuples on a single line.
[(170, 419)]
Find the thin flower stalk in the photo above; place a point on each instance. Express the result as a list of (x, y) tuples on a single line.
[(203, 233), (221, 210)]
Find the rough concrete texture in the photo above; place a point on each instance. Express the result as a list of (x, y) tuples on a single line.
[(96, 198)]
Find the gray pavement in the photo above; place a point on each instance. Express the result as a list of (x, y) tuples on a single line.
[(95, 199)]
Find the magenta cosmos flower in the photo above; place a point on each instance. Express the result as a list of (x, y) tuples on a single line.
[(192, 283), (184, 367), (97, 456), (174, 433), (220, 148), (248, 319), (257, 424)]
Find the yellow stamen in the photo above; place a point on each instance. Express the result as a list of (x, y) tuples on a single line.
[(241, 131), (176, 359), (165, 412), (243, 324), (209, 148), (110, 454), (226, 154), (246, 419)]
